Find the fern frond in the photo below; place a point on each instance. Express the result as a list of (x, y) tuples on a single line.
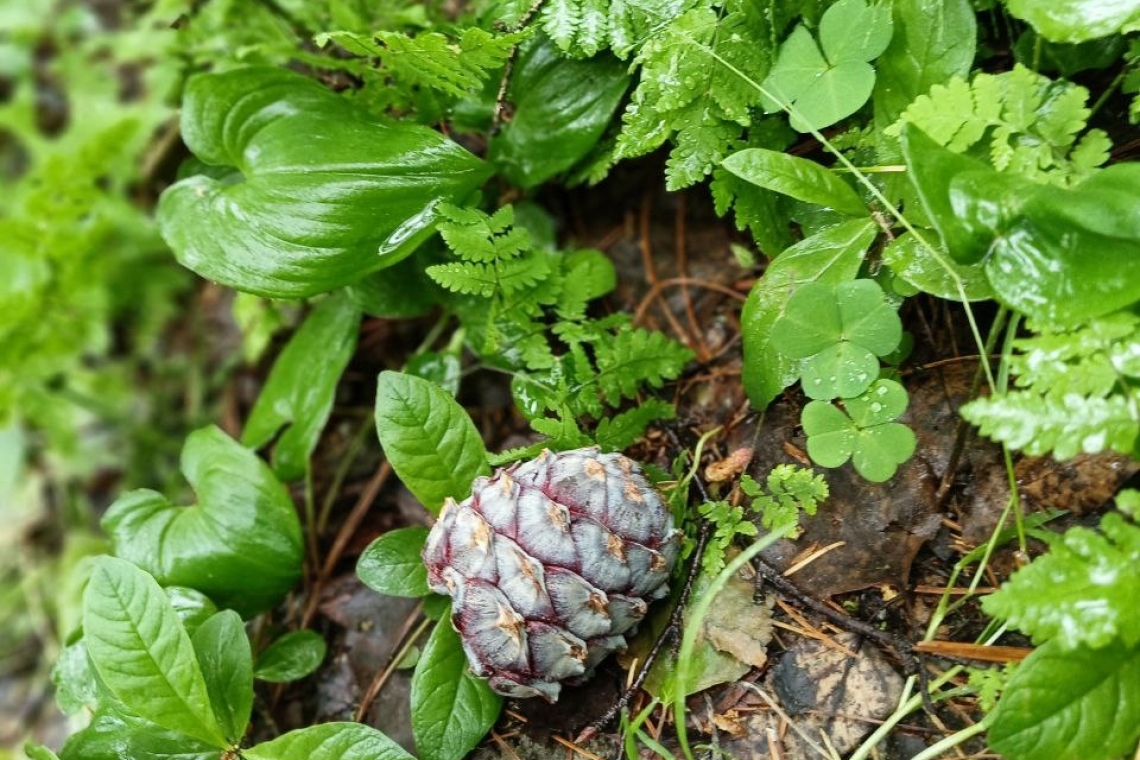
[(1065, 426), (518, 274), (636, 357), (1092, 360), (622, 430), (467, 277), (475, 236)]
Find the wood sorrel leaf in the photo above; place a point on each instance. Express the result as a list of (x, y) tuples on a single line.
[(240, 545), (322, 193), (294, 655), (224, 655), (429, 439), (392, 563), (143, 654), (299, 392), (451, 709), (329, 741), (802, 179)]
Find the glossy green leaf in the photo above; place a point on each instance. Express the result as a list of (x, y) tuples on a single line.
[(833, 255), (298, 396), (561, 106), (1077, 20), (931, 168), (451, 709), (824, 87), (392, 563), (143, 654), (840, 370), (192, 606), (1067, 256), (1082, 592), (322, 193), (241, 544), (865, 433), (329, 741), (39, 752), (113, 735), (801, 178), (402, 290), (429, 439), (934, 40), (224, 655), (884, 401), (1063, 704), (292, 656), (917, 266)]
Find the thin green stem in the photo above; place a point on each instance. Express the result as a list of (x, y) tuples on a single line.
[(937, 749)]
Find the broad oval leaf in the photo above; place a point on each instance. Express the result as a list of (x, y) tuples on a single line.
[(143, 654), (240, 545), (429, 439), (292, 656), (224, 655), (801, 178), (451, 709), (917, 266), (1077, 20), (112, 735), (561, 108), (322, 193), (329, 741), (1063, 704), (392, 564), (299, 392)]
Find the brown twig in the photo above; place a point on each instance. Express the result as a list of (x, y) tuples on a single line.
[(509, 67)]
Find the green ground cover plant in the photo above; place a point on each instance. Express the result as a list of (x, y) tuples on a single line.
[(391, 161)]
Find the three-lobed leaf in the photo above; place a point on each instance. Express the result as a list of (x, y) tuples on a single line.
[(241, 544), (143, 654), (451, 709), (429, 439), (320, 193), (865, 433), (299, 392), (392, 564)]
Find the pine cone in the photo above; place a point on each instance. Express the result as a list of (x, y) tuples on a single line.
[(549, 564)]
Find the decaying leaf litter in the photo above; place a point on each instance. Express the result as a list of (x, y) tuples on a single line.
[(878, 554)]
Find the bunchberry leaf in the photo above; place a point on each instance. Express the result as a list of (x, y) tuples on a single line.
[(799, 178), (143, 654), (291, 657), (1082, 592), (933, 41), (329, 741), (329, 194), (241, 544), (1070, 704), (451, 709), (115, 733), (392, 564), (832, 255), (224, 655), (428, 437), (298, 395)]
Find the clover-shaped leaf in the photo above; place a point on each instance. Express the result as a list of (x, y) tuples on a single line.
[(321, 193), (240, 545), (824, 87), (837, 331), (865, 433)]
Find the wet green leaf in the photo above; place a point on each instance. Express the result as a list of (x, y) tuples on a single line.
[(865, 433), (801, 178), (1077, 20), (429, 439), (451, 709), (392, 563), (329, 741), (322, 194), (143, 654), (298, 396), (241, 544), (223, 653), (561, 108), (290, 657), (917, 266)]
